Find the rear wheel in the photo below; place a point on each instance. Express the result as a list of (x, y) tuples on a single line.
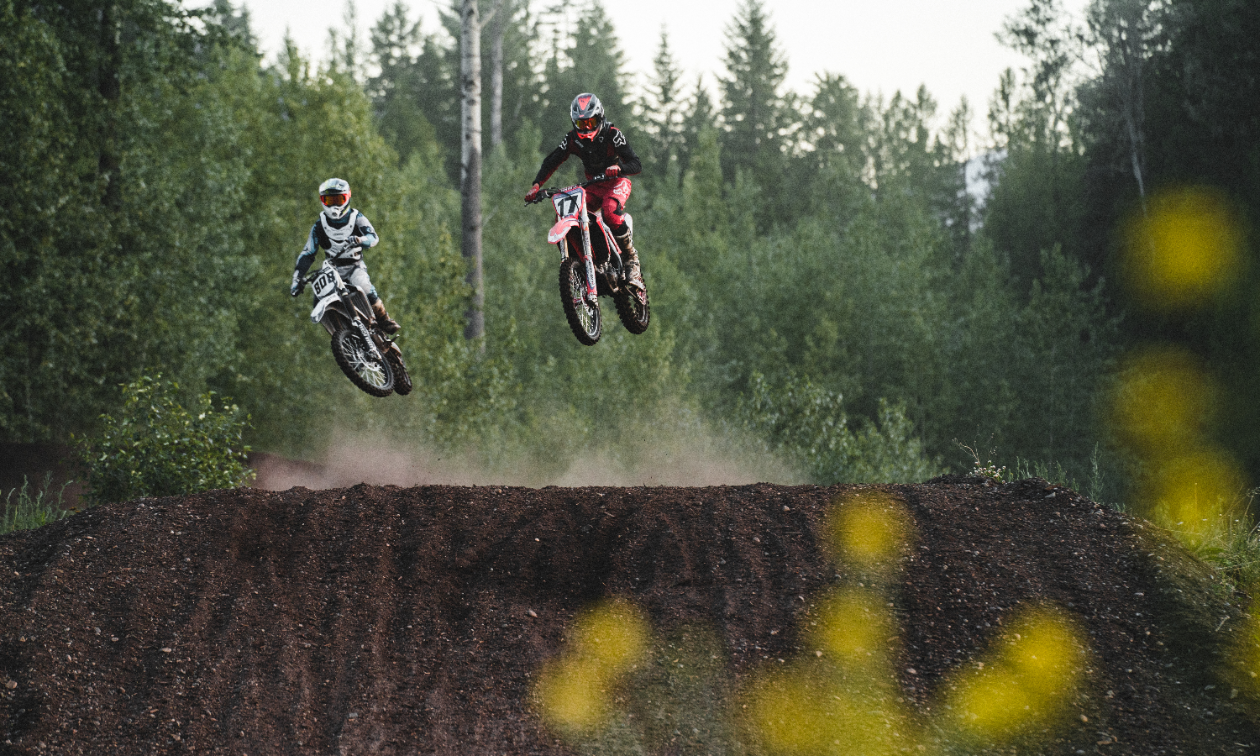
[(633, 308), (583, 316), (402, 379), (372, 374)]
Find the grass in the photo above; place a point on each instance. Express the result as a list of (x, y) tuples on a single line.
[(33, 511), (1053, 472), (1232, 544)]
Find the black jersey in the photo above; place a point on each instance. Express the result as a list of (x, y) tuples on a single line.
[(606, 148)]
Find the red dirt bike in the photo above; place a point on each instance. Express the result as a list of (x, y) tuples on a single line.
[(591, 266)]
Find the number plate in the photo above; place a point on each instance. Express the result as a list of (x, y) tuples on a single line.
[(325, 284), (567, 204)]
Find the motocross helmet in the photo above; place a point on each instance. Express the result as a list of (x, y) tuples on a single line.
[(587, 114), (334, 195)]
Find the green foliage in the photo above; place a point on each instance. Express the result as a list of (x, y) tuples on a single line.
[(755, 112), (413, 84), (32, 511), (157, 447), (590, 59), (124, 151), (663, 113), (768, 305), (809, 426)]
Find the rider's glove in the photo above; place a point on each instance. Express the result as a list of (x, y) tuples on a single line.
[(533, 193), (298, 284), (612, 171)]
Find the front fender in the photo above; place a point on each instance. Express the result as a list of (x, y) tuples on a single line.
[(330, 302), (560, 229)]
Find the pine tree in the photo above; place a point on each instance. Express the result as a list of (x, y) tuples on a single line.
[(414, 94), (396, 91), (598, 63), (834, 128), (235, 23), (348, 55), (754, 112), (953, 204), (701, 117), (1036, 201), (589, 59), (1124, 35), (662, 112), (395, 41)]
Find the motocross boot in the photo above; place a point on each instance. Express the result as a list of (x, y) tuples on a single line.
[(386, 323), (625, 240)]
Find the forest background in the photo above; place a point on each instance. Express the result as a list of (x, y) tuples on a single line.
[(830, 302)]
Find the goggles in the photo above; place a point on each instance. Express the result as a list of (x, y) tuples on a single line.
[(334, 200), (587, 124)]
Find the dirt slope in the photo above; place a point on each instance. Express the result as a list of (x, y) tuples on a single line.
[(402, 621)]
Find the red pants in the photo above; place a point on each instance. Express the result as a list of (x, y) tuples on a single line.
[(609, 197)]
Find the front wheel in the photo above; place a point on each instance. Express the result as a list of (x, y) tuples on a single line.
[(583, 316), (370, 373), (633, 308)]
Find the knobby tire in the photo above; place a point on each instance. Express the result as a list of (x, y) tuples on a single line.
[(402, 379), (351, 355), (635, 314), (573, 285)]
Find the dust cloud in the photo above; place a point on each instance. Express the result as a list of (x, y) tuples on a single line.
[(689, 460)]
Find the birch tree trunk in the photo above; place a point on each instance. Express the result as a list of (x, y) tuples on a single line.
[(470, 165), (501, 11), (1123, 28)]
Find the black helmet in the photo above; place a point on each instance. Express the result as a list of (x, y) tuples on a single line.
[(587, 114)]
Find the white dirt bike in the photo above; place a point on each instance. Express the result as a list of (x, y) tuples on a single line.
[(366, 354)]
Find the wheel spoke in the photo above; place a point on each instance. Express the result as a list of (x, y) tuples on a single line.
[(367, 368), (578, 288)]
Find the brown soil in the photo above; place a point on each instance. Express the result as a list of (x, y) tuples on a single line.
[(385, 620)]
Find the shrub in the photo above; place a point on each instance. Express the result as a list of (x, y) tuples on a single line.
[(156, 447), (808, 426)]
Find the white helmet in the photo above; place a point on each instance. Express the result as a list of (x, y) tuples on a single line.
[(334, 195)]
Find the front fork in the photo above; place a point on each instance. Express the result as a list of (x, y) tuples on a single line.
[(589, 259), (348, 302)]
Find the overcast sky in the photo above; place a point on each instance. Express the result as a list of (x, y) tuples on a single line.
[(881, 46)]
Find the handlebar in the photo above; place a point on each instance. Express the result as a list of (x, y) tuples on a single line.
[(315, 271), (549, 192)]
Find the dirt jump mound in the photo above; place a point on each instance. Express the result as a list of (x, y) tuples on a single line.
[(438, 620)]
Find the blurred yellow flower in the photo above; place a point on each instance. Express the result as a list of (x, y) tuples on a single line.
[(573, 691), (1184, 251), (1191, 492), (853, 627), (1030, 681), (1162, 401), (868, 528)]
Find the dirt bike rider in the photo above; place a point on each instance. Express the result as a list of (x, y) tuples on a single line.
[(603, 149), (343, 233)]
